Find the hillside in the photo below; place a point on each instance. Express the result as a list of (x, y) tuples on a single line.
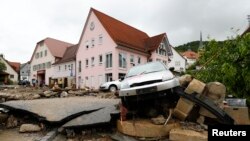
[(194, 45)]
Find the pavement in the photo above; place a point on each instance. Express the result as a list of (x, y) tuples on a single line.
[(58, 110)]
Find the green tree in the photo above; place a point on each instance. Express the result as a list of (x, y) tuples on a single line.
[(229, 63), (2, 66)]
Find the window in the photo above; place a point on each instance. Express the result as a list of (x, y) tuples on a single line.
[(43, 66), (92, 61), (139, 60), (71, 67), (93, 42), (41, 54), (37, 55), (177, 63), (59, 68), (109, 60), (158, 59), (100, 39), (65, 67), (122, 60), (100, 59), (79, 66), (131, 58), (87, 44), (34, 68), (39, 66), (86, 62), (11, 76), (108, 77), (162, 49), (48, 64), (45, 53)]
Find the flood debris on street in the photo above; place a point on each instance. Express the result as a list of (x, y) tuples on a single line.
[(179, 113)]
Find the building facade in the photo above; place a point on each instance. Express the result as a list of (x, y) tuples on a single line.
[(46, 53), (177, 61), (65, 69), (108, 48), (25, 71), (11, 72)]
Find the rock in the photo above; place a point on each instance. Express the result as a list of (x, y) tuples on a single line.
[(36, 96), (11, 122), (3, 117), (63, 94), (160, 120), (179, 134), (29, 128), (195, 86), (185, 80)]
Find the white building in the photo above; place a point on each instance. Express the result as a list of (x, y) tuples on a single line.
[(11, 72), (65, 69), (177, 61), (46, 53)]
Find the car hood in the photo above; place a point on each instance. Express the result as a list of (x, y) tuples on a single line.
[(166, 75)]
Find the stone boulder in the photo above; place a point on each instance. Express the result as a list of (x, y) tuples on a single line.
[(160, 120), (29, 128), (64, 94)]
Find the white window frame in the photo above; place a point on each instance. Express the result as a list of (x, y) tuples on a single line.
[(109, 60), (122, 60)]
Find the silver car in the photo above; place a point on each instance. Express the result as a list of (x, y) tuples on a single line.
[(148, 78), (111, 86)]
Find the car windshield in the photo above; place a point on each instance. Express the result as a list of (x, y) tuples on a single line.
[(147, 68)]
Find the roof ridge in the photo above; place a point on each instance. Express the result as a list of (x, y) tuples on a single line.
[(117, 20)]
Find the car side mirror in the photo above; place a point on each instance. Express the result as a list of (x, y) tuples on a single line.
[(171, 68)]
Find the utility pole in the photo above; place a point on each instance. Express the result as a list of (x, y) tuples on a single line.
[(248, 17)]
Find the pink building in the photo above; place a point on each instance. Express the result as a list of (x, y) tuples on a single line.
[(108, 48)]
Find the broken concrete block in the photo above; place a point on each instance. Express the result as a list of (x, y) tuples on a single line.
[(144, 128), (195, 86), (11, 122), (185, 80), (216, 92), (179, 134), (29, 128), (160, 120), (239, 114), (183, 108), (36, 96)]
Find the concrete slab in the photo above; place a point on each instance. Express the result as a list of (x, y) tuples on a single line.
[(97, 117), (59, 109)]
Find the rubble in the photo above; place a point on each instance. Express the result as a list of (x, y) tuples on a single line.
[(11, 122), (29, 128), (160, 120), (3, 118)]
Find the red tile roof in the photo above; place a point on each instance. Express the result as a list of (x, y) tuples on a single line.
[(56, 47), (69, 55), (122, 33), (153, 43), (15, 65), (190, 54)]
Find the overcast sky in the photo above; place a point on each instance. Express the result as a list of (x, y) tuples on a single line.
[(25, 22)]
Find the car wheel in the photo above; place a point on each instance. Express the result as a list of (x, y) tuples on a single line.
[(112, 88)]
